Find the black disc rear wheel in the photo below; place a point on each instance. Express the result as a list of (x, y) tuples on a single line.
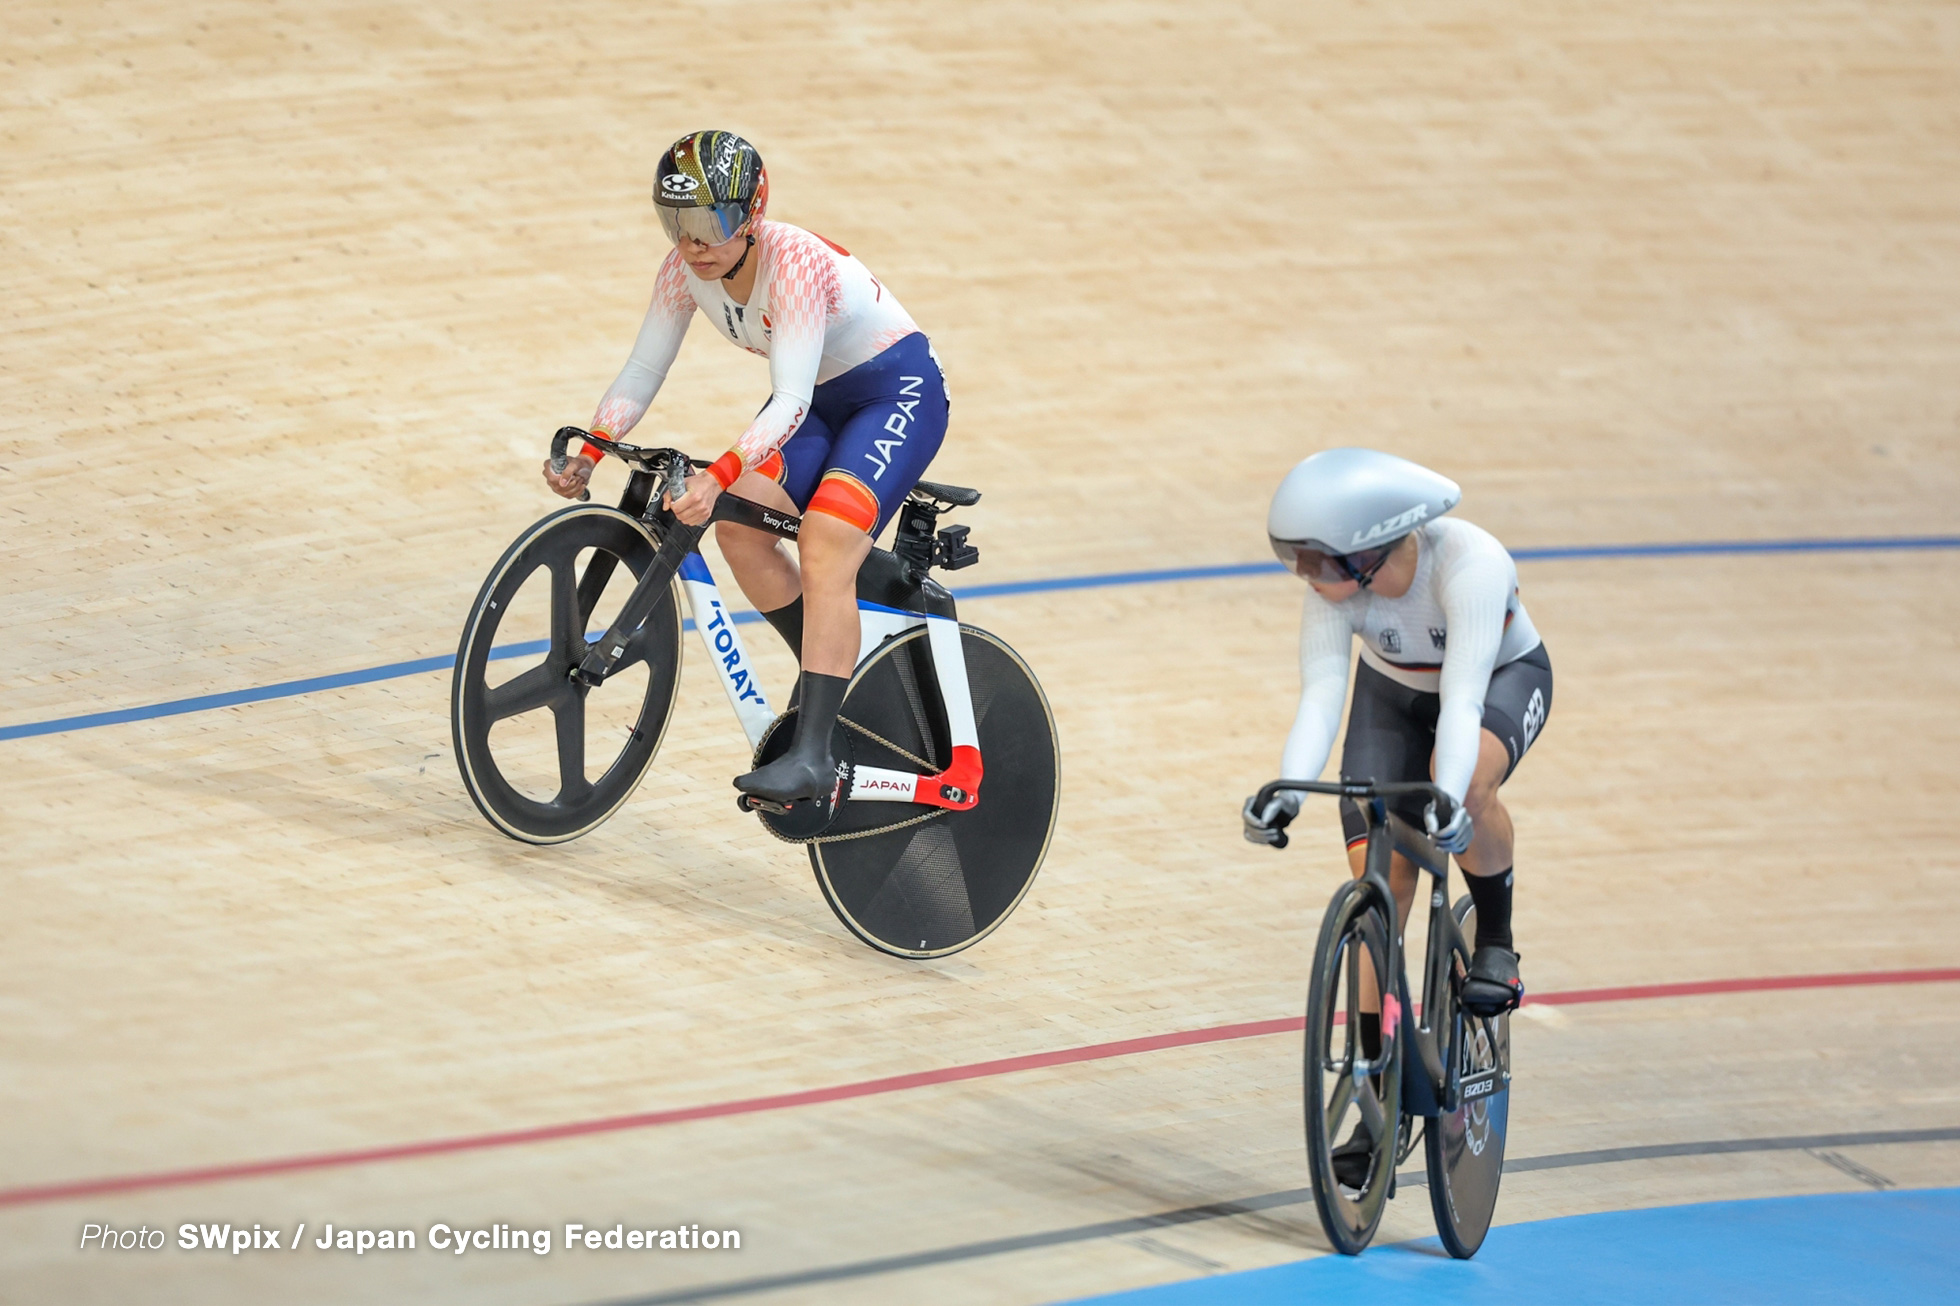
[(919, 881), (1464, 1148), (544, 758), (1343, 1088)]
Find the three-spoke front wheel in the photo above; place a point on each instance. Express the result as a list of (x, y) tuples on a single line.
[(1345, 1090), (544, 758)]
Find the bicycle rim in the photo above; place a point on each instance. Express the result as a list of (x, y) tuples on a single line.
[(568, 801)]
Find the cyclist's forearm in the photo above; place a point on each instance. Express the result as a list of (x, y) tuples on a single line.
[(1323, 688), (659, 342), (626, 402)]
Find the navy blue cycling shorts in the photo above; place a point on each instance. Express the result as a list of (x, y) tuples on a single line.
[(869, 437)]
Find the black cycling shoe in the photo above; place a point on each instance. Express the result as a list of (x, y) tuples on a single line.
[(791, 779), (807, 772), (1493, 986), (1355, 1158)]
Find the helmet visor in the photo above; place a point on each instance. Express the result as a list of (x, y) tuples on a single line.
[(1306, 558), (709, 224)]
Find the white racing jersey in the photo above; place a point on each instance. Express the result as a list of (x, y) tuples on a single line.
[(815, 313), (1460, 620)]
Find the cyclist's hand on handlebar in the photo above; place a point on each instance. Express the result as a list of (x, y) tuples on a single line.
[(697, 501), (1456, 836), (571, 482), (1268, 826)]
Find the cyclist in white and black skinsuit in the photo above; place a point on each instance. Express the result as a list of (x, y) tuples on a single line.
[(1454, 683)]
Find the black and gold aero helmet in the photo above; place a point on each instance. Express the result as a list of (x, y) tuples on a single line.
[(711, 187)]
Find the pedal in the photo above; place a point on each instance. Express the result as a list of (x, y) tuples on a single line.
[(751, 803)]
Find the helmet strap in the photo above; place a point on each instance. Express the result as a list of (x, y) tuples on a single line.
[(730, 274)]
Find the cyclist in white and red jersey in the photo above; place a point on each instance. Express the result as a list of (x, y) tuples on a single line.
[(1454, 682), (857, 409)]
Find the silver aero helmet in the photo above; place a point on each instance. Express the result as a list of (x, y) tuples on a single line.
[(1336, 516)]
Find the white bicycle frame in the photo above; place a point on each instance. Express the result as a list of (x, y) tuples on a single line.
[(869, 784)]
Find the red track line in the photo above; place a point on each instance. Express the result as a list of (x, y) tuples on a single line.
[(40, 1194)]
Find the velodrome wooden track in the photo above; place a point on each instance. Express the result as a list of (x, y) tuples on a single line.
[(294, 293)]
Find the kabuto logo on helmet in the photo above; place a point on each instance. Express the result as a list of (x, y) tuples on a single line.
[(679, 183)]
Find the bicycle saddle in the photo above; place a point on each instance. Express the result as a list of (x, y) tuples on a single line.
[(957, 495)]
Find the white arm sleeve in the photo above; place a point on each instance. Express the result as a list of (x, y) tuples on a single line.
[(1325, 640), (1475, 581), (653, 353)]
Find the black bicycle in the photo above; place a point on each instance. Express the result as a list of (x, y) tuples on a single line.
[(1440, 1064), (949, 773)]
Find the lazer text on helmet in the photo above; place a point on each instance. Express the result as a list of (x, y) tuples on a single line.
[(1396, 525)]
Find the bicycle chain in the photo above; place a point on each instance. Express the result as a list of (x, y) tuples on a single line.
[(923, 765), (920, 819)]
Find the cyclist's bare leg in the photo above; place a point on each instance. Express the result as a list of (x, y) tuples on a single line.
[(762, 564), (1489, 852), (824, 573), (1493, 984), (831, 551)]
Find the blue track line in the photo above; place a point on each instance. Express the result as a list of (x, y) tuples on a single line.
[(416, 666)]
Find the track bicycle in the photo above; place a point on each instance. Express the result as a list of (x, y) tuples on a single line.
[(948, 765), (1439, 1063)]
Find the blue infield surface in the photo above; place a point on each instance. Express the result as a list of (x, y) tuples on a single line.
[(1893, 1248)]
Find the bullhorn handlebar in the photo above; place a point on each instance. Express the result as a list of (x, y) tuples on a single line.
[(1361, 791)]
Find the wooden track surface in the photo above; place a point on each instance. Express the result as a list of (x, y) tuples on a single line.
[(293, 295)]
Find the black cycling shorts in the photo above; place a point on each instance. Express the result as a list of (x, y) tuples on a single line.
[(1391, 730)]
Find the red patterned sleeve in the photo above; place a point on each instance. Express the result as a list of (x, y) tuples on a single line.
[(653, 353)]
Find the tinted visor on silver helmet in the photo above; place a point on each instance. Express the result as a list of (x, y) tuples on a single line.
[(1316, 562)]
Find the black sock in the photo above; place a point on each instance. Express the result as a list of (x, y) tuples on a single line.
[(1492, 894), (822, 697), (1371, 1048), (788, 621), (1371, 1035)]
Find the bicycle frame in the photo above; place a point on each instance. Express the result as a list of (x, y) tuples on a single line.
[(957, 787), (1439, 1088), (915, 601)]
